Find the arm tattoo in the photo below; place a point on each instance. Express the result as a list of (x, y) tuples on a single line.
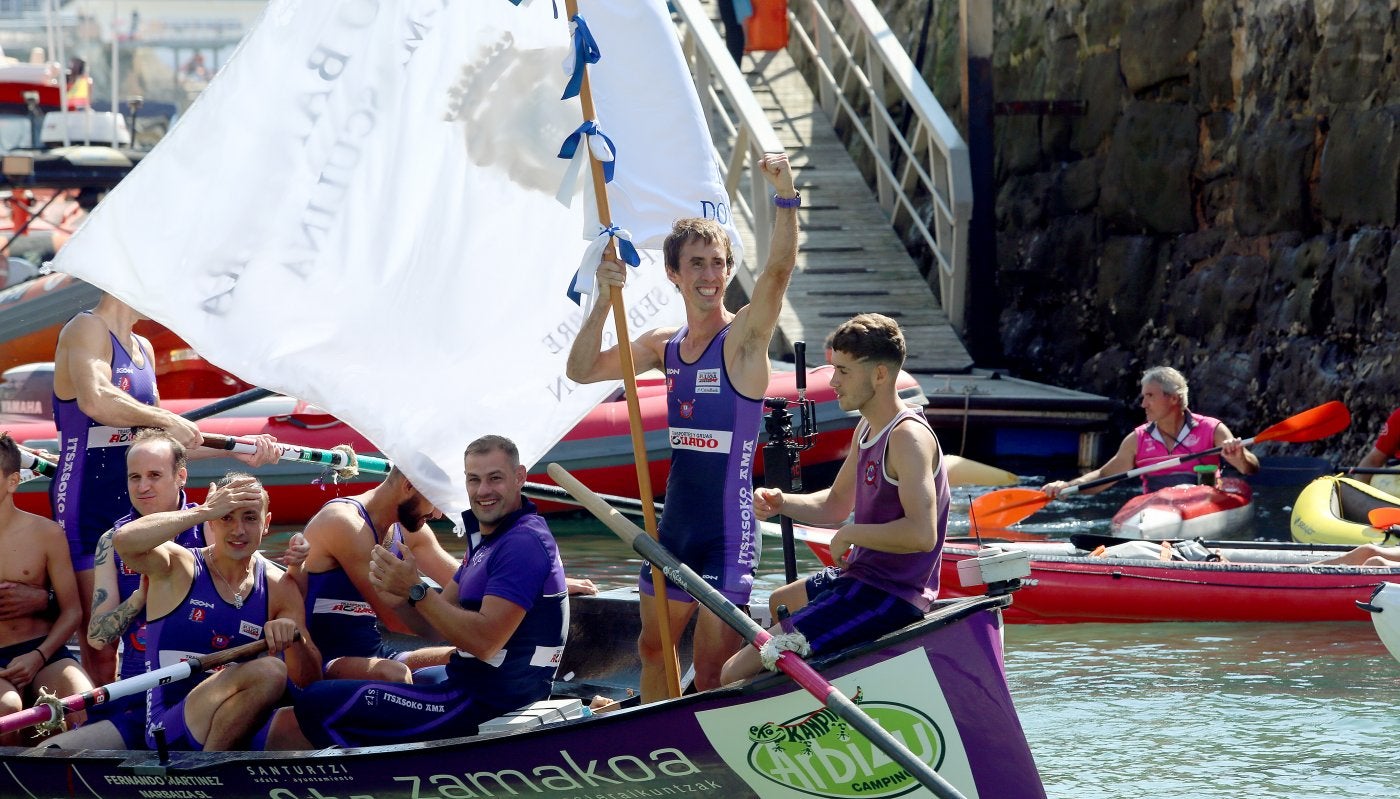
[(104, 546), (108, 627)]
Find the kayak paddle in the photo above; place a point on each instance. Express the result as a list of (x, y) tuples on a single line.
[(1000, 509)]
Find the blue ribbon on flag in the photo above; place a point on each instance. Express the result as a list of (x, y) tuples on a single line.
[(594, 253), (590, 129), (585, 52)]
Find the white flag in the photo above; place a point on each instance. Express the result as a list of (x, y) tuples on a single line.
[(359, 211)]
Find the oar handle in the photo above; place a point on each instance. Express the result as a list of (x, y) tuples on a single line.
[(50, 711), (29, 459), (1151, 467), (291, 452), (794, 666)]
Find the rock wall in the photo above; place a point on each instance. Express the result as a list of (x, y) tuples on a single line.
[(1228, 203)]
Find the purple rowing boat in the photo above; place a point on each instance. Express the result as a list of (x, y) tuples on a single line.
[(939, 686)]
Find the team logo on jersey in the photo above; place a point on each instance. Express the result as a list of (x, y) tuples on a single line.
[(707, 381), (687, 409), (701, 440), (247, 629), (128, 571), (124, 383), (197, 615), (670, 384), (137, 639), (219, 641), (870, 472)]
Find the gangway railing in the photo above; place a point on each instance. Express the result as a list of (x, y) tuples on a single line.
[(738, 125), (922, 175)]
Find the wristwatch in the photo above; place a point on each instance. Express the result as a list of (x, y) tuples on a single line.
[(417, 592)]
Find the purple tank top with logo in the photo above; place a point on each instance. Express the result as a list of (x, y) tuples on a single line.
[(341, 621), (204, 622), (714, 444), (89, 492), (133, 656), (912, 577)]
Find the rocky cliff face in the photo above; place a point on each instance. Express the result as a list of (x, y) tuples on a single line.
[(1227, 203)]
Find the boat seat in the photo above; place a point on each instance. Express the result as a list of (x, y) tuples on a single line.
[(1356, 505), (536, 714)]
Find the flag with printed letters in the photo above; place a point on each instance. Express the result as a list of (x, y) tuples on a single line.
[(362, 211)]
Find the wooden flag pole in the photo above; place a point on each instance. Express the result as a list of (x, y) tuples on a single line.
[(629, 380)]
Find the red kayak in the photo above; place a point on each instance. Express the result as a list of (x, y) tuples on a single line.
[(1257, 581), (1187, 511), (598, 450)]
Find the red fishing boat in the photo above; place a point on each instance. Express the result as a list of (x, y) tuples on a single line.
[(598, 449), (1255, 581)]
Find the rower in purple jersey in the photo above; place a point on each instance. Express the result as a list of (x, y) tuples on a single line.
[(726, 390), (89, 492), (208, 599), (714, 442), (104, 385), (156, 468), (342, 608), (895, 481)]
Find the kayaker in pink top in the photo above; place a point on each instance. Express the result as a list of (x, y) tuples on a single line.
[(1171, 431)]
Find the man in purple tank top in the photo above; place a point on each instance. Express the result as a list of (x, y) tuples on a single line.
[(210, 598), (895, 481), (1171, 430), (342, 608), (716, 374)]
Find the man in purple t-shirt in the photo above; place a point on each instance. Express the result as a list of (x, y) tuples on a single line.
[(716, 374), (894, 479), (505, 613)]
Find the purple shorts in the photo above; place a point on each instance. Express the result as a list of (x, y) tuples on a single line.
[(842, 611)]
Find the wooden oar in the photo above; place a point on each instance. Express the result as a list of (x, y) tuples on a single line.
[(670, 658), (791, 664), (50, 709), (999, 509)]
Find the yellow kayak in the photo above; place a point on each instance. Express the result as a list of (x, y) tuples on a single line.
[(1333, 510)]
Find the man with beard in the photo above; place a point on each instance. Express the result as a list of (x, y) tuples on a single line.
[(506, 614), (342, 608)]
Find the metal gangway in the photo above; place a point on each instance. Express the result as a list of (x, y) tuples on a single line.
[(852, 256)]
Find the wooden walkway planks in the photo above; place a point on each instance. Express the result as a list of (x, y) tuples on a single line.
[(850, 259)]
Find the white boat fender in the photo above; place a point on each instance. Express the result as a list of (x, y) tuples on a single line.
[(1000, 570), (1384, 607)]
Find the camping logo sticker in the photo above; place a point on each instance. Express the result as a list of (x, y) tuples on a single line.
[(788, 746), (819, 754)]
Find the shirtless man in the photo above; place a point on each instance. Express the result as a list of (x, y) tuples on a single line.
[(32, 649), (211, 598)]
